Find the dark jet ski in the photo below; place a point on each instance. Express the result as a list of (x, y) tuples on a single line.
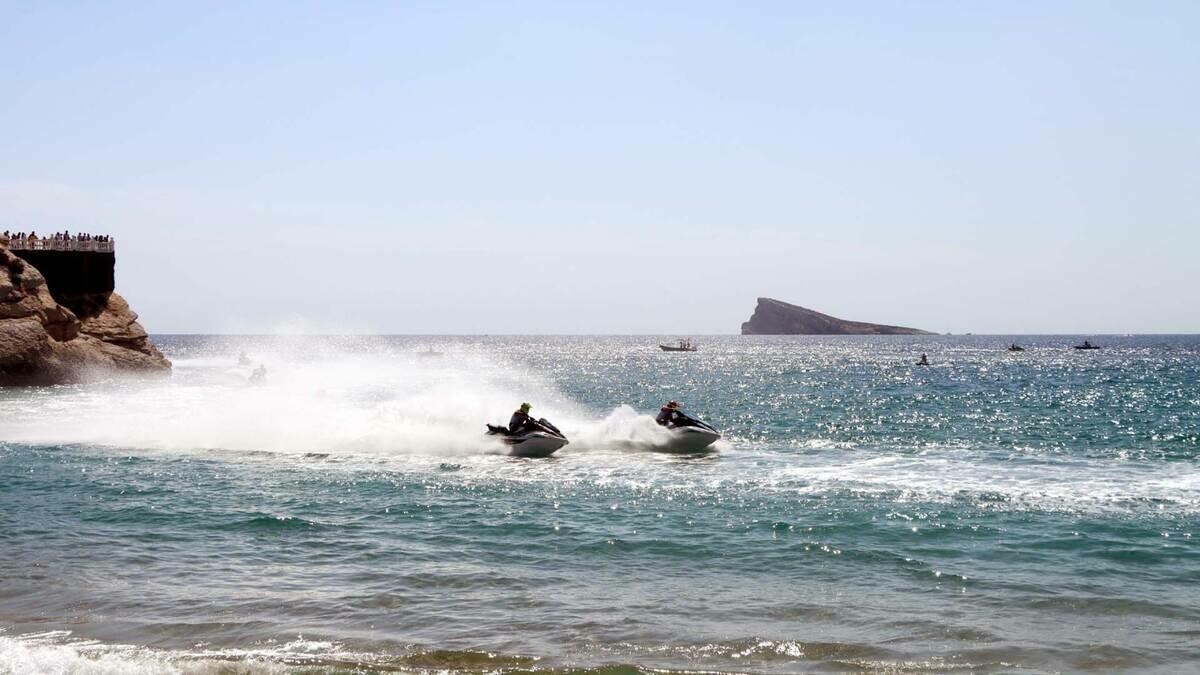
[(1014, 347), (1086, 345), (542, 441)]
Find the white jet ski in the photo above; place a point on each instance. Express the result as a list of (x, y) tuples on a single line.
[(541, 442), (688, 434), (692, 439)]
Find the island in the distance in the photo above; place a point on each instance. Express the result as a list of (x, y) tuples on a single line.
[(60, 320), (772, 317)]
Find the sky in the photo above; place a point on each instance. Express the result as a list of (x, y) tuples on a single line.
[(615, 168)]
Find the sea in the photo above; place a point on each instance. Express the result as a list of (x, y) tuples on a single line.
[(994, 511)]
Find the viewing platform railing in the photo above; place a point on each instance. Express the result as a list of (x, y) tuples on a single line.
[(61, 245)]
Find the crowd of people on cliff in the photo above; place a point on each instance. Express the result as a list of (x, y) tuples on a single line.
[(57, 236)]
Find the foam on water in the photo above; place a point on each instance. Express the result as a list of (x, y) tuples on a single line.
[(57, 652), (947, 474)]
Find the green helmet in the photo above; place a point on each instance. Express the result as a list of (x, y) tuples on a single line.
[(525, 407)]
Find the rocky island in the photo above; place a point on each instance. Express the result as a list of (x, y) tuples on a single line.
[(61, 321), (772, 317)]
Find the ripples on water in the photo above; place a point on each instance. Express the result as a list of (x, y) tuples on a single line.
[(993, 511)]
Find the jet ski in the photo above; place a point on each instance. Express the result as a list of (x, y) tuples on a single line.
[(691, 435), (1016, 348), (1086, 345), (540, 442)]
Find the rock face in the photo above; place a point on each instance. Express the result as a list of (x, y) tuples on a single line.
[(772, 317), (44, 342)]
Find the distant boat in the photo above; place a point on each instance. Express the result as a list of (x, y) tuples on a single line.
[(682, 346), (1014, 347), (429, 352), (1086, 345)]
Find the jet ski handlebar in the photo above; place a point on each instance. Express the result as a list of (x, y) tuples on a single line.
[(689, 421), (550, 427)]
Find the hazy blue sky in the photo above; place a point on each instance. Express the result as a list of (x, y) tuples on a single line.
[(561, 167)]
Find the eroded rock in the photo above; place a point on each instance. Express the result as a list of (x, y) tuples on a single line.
[(44, 342)]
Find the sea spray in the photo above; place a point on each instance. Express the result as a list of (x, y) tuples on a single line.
[(623, 428), (323, 400), (379, 402)]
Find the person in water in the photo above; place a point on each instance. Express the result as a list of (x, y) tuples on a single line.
[(521, 421), (670, 415)]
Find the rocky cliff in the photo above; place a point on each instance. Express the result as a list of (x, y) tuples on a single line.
[(772, 317), (44, 340), (81, 281)]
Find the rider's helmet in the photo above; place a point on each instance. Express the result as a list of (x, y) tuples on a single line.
[(673, 405), (525, 407)]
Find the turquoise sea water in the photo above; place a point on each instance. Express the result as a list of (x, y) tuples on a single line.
[(1034, 511)]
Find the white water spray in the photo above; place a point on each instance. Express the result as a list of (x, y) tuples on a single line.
[(319, 399)]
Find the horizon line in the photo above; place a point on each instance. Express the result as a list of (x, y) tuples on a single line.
[(500, 334)]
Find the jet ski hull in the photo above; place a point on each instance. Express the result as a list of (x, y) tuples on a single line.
[(691, 439), (536, 444)]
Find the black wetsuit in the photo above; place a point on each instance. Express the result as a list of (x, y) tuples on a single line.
[(668, 417), (520, 422)]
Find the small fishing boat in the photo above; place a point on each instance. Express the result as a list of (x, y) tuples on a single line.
[(681, 346)]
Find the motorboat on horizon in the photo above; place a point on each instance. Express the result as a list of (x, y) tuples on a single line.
[(681, 346)]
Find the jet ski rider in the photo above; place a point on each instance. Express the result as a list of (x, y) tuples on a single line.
[(671, 416), (520, 421)]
